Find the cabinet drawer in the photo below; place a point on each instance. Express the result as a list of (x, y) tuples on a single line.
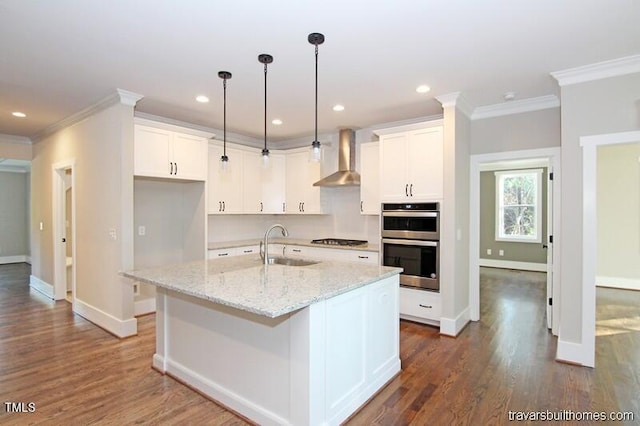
[(420, 304), (241, 251), (220, 253)]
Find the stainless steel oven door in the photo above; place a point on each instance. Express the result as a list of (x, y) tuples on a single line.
[(419, 259), (410, 224)]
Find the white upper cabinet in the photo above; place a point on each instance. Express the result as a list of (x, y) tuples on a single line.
[(263, 187), (225, 185), (370, 178), (411, 165), (169, 154), (301, 196)]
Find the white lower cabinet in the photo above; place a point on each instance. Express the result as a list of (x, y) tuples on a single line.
[(232, 251), (322, 253), (420, 305)]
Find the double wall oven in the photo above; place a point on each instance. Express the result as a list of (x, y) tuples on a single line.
[(411, 240)]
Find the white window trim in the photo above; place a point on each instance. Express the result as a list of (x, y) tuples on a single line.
[(538, 237)]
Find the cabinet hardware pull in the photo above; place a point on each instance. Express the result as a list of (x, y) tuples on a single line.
[(283, 205), (261, 206), (176, 169), (360, 206), (303, 207), (219, 206), (223, 254), (299, 207), (406, 190), (411, 190), (426, 306), (171, 168), (296, 250), (248, 251), (363, 257), (224, 206)]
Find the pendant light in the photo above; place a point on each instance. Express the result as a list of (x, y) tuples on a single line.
[(265, 59), (316, 39), (224, 160)]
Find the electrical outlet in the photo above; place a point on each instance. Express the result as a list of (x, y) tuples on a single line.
[(142, 230), (136, 289), (501, 253), (489, 251), (112, 234)]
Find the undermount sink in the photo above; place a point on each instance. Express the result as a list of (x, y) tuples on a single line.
[(290, 262)]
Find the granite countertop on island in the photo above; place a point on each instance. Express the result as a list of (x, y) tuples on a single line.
[(244, 282), (292, 241)]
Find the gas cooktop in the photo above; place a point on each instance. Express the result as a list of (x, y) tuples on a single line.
[(339, 242)]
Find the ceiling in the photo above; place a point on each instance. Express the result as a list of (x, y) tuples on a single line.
[(58, 57)]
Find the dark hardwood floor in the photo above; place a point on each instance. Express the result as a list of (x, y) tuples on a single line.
[(76, 373)]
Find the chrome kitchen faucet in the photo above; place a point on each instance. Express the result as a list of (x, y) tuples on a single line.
[(265, 255)]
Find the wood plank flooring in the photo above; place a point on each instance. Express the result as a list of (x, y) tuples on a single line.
[(76, 373)]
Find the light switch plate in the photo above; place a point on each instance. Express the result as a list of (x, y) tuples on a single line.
[(142, 230)]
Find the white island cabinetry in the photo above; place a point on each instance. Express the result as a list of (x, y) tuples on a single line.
[(271, 342)]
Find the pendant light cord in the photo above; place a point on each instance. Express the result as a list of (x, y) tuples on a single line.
[(316, 138), (224, 118), (265, 106)]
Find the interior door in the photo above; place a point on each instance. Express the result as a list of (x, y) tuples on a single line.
[(549, 247)]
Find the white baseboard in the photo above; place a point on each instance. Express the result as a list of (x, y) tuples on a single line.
[(618, 282), (4, 260), (574, 353), (121, 328), (41, 286), (144, 306), (453, 327), (510, 264)]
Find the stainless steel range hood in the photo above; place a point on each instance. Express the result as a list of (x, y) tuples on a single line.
[(346, 174)]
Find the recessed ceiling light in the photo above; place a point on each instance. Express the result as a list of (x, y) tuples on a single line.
[(202, 99), (423, 88), (276, 121), (338, 108), (19, 114)]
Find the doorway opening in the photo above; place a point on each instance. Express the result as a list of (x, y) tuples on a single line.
[(64, 253), (497, 163), (590, 146)]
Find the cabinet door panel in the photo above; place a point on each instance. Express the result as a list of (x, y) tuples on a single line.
[(151, 152), (393, 167), (272, 181), (425, 164), (252, 182), (225, 186), (370, 178), (189, 156)]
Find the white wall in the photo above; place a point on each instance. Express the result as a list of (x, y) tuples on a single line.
[(618, 195), (604, 106), (102, 146), (15, 147), (14, 216)]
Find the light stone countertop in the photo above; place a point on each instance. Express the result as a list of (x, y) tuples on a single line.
[(244, 283), (292, 241)]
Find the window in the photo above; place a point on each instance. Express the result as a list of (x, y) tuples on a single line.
[(519, 206)]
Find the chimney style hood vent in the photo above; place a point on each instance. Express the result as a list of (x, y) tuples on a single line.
[(346, 174)]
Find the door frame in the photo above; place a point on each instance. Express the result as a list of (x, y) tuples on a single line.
[(553, 156), (59, 229), (590, 146)]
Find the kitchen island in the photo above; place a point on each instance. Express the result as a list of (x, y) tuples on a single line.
[(279, 344)]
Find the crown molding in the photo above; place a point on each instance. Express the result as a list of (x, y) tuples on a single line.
[(455, 99), (123, 97), (598, 71), (516, 107), (22, 140)]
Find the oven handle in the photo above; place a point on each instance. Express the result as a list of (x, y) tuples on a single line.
[(410, 242), (409, 214)]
